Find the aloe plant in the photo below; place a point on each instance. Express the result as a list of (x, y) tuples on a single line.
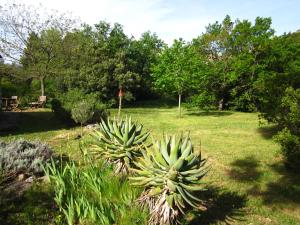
[(119, 142), (170, 172)]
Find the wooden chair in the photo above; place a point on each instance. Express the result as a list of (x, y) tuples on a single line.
[(5, 103), (40, 103), (14, 103)]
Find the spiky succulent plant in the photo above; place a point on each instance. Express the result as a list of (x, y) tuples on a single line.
[(119, 142), (170, 171)]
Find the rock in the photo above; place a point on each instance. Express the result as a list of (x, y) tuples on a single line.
[(91, 126), (268, 220), (44, 179), (29, 179), (21, 177)]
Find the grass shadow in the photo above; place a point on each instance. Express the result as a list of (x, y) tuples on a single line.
[(23, 202), (268, 132), (34, 206), (210, 113), (222, 206), (284, 190), (245, 170), (30, 122)]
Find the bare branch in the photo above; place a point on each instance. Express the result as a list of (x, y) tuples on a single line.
[(17, 21)]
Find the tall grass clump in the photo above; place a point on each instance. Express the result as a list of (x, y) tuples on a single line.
[(91, 194)]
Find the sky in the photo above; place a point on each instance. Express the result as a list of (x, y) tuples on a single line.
[(173, 19)]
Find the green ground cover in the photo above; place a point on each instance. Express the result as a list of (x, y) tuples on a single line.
[(247, 183)]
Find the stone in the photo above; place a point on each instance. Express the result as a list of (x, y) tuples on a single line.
[(29, 179), (21, 177), (91, 126)]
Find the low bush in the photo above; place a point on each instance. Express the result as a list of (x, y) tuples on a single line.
[(82, 112), (289, 120), (202, 101), (91, 194), (20, 156), (290, 148), (63, 105)]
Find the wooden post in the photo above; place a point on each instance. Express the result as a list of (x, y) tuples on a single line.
[(179, 105), (121, 94)]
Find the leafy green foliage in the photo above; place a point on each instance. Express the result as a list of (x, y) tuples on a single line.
[(82, 112), (204, 100), (177, 70), (63, 106), (119, 142), (102, 59), (290, 148), (235, 53), (282, 66), (170, 172), (39, 58), (289, 118), (21, 156), (93, 195)]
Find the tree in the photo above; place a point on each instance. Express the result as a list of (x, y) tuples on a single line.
[(18, 26), (213, 45), (281, 71), (41, 55), (8, 72), (177, 70), (235, 54), (143, 53), (99, 60)]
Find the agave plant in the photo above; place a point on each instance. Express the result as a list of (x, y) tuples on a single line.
[(170, 171), (119, 142)]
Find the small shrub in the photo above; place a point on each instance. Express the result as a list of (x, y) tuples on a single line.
[(289, 120), (290, 148), (202, 101), (170, 172), (82, 112), (21, 156), (63, 105)]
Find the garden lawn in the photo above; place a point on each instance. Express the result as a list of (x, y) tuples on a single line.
[(247, 183)]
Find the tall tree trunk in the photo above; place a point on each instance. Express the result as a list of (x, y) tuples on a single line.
[(0, 94), (221, 104), (179, 105), (42, 80)]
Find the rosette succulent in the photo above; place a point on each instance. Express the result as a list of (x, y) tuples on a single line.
[(119, 142), (170, 172)]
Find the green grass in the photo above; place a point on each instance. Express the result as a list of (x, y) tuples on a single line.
[(248, 183)]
